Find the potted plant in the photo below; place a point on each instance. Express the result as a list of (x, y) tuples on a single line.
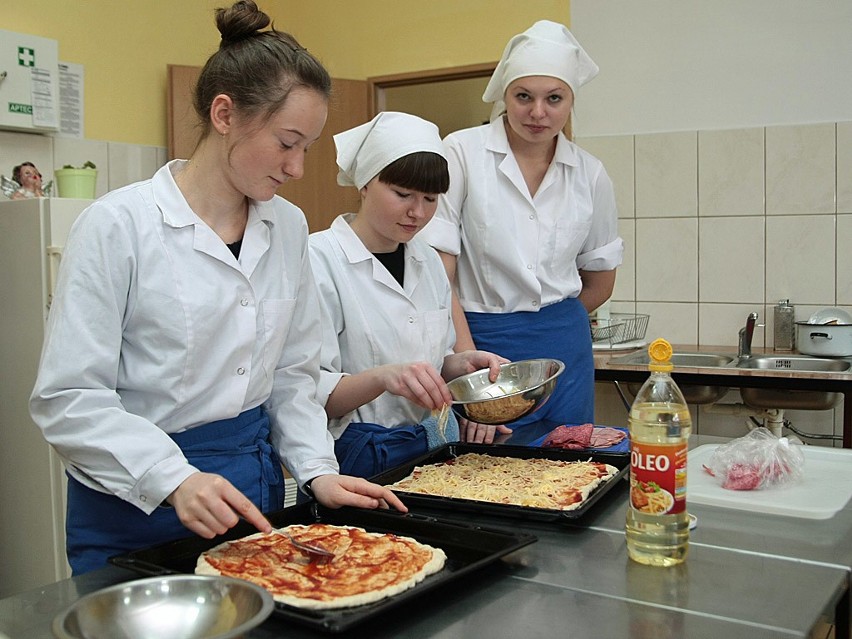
[(77, 182)]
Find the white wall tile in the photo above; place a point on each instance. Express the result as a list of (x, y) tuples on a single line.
[(800, 169), (129, 163), (844, 259), (723, 425), (844, 167), (838, 427), (77, 152), (667, 174), (616, 153), (667, 259), (811, 422), (818, 422), (720, 324), (622, 307), (609, 408), (731, 172), (800, 259), (678, 323), (625, 275), (16, 148), (731, 259)]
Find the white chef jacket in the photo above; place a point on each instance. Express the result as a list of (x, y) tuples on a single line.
[(156, 327), (370, 320), (516, 252)]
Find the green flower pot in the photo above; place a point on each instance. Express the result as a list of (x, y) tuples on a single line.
[(76, 183)]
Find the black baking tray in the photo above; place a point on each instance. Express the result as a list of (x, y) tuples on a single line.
[(449, 451), (467, 548)]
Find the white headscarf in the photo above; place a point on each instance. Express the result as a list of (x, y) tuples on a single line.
[(546, 48), (364, 151)]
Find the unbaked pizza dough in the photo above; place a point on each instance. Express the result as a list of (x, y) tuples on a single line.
[(367, 566)]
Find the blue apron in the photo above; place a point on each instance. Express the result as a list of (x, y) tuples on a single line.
[(99, 525), (560, 331), (365, 450)]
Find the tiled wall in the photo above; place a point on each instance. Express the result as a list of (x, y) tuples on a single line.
[(718, 224), (118, 164)]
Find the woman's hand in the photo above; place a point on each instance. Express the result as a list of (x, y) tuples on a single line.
[(335, 491), (417, 382), (466, 362), (474, 433), (209, 505)]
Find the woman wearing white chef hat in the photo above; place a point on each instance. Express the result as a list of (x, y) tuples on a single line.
[(386, 304), (528, 228)]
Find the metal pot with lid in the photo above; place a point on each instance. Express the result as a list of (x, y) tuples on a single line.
[(827, 333)]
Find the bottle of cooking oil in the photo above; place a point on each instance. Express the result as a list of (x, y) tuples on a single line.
[(657, 527)]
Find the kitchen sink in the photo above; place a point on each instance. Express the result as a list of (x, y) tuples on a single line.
[(759, 398), (766, 398), (793, 363), (681, 359), (692, 393)]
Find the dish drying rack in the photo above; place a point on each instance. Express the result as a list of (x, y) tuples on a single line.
[(619, 328)]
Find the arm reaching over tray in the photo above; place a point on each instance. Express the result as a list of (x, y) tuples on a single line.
[(335, 491)]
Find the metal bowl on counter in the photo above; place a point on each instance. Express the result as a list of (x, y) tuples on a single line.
[(520, 389), (173, 606)]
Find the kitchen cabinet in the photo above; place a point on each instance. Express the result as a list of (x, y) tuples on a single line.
[(32, 480)]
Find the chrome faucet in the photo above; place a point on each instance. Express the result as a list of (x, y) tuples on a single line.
[(746, 334)]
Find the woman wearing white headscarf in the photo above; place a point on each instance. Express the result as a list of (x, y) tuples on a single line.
[(528, 228), (386, 304)]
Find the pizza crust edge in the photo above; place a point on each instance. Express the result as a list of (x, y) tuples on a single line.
[(435, 563)]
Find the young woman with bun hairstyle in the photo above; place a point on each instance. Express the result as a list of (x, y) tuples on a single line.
[(181, 358)]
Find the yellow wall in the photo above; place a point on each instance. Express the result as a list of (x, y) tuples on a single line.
[(125, 46), (357, 39)]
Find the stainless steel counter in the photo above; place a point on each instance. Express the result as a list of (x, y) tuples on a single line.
[(747, 575)]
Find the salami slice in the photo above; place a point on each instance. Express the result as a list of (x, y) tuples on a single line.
[(570, 437), (604, 437)]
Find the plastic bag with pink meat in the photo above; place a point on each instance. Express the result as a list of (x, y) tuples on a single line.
[(758, 460)]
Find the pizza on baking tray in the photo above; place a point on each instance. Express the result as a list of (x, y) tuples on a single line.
[(536, 483), (366, 567)]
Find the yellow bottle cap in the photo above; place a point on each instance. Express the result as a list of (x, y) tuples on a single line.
[(660, 352)]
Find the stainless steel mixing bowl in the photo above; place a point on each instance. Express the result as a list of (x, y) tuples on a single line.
[(521, 388), (173, 606)]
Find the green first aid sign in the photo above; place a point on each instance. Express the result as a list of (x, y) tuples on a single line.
[(26, 109), (26, 57)]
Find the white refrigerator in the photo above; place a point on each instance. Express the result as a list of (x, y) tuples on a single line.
[(32, 479)]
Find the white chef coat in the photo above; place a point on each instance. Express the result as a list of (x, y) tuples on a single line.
[(156, 327), (370, 320), (516, 252)]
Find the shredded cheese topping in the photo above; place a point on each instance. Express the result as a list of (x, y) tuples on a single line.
[(535, 483)]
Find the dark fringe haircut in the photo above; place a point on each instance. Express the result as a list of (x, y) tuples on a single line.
[(423, 171)]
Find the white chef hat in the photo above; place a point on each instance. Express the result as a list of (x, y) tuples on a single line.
[(364, 151), (546, 48)]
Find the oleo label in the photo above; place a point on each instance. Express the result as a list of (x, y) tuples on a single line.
[(658, 478)]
